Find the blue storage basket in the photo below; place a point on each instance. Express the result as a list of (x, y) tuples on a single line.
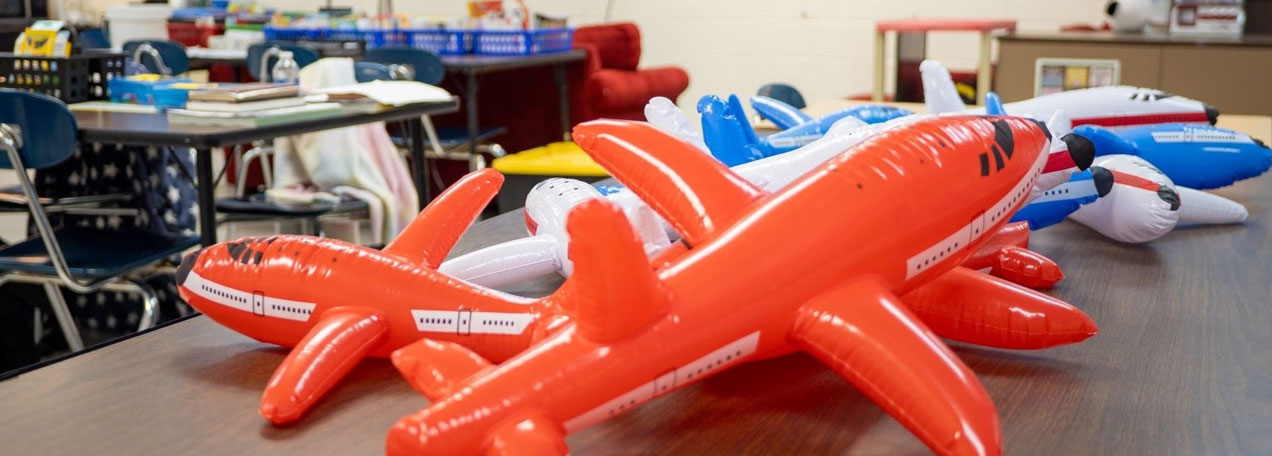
[(443, 42), (288, 33), (522, 42), (373, 38)]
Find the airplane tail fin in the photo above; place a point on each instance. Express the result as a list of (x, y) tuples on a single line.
[(726, 131), (939, 93), (781, 114), (1200, 208), (433, 233), (613, 291), (994, 105), (663, 113)]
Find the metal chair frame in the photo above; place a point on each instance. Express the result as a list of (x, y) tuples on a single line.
[(11, 142)]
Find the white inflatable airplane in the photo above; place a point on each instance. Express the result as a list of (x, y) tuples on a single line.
[(1112, 107), (1144, 204)]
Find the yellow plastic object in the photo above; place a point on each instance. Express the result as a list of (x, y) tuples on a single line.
[(44, 39), (556, 159)]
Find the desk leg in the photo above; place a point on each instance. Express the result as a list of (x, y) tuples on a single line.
[(880, 58), (563, 94), (207, 196), (415, 129), (471, 102), (983, 68)]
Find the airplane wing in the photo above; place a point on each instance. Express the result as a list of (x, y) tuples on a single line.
[(781, 114), (506, 263), (980, 309), (866, 335), (340, 339), (693, 192), (939, 93), (438, 227), (434, 368)]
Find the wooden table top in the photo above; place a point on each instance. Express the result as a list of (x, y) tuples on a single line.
[(1182, 365), (153, 129)]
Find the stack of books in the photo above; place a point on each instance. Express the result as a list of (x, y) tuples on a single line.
[(248, 105)]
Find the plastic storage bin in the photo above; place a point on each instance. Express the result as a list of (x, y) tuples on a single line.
[(190, 35), (148, 92), (137, 22), (372, 38), (522, 42), (71, 79), (290, 33), (444, 42)]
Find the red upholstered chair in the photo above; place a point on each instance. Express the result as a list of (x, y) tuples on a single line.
[(612, 85)]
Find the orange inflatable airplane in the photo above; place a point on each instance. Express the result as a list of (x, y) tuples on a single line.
[(762, 274)]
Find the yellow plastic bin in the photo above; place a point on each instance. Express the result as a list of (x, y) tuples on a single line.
[(526, 168)]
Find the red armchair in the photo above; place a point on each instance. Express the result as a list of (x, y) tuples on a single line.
[(612, 85)]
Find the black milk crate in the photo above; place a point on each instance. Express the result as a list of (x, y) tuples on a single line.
[(71, 79)]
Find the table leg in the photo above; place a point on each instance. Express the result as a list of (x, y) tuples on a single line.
[(563, 94), (415, 129), (471, 107), (207, 196), (879, 59), (983, 67)]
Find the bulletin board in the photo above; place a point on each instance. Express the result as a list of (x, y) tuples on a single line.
[(1053, 75)]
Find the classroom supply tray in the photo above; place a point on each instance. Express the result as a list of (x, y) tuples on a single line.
[(371, 38), (444, 42), (71, 79), (522, 42)]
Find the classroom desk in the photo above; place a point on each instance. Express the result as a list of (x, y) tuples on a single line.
[(1181, 366), (473, 65), (153, 130)]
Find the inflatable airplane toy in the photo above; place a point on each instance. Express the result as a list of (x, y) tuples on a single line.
[(1195, 156), (1113, 107), (546, 250), (759, 274), (337, 302), (730, 138), (1143, 204), (786, 117)]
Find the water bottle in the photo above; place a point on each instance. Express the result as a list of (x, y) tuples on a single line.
[(286, 69)]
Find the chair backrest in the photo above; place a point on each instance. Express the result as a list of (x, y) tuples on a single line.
[(617, 44), (784, 93), (47, 127), (371, 71), (171, 53), (425, 66), (303, 56), (94, 38)]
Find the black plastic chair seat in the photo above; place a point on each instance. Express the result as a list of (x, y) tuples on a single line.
[(257, 206), (92, 253), (453, 137), (13, 199)]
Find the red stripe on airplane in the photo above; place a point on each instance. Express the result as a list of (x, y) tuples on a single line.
[(1143, 119), (1132, 180), (1057, 161)]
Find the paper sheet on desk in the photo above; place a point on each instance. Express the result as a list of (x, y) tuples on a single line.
[(395, 93)]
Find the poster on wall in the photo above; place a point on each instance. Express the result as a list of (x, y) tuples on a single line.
[(1057, 75)]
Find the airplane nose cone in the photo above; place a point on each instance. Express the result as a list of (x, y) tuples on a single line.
[(1212, 114), (187, 263), (1169, 196), (1103, 180), (1081, 150)]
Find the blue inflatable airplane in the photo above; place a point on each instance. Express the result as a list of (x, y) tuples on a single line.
[(1195, 156)]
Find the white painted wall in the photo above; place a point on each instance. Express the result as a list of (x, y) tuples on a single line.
[(823, 47)]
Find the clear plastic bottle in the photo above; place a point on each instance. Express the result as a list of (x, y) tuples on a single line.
[(286, 69)]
